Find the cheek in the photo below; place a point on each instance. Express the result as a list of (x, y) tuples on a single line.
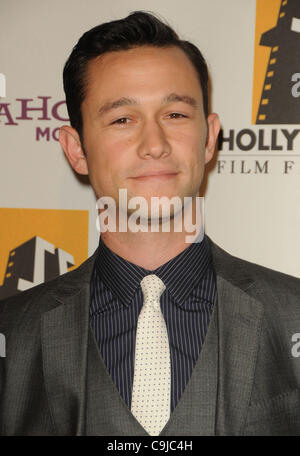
[(100, 150), (107, 160), (111, 143), (190, 135), (190, 146)]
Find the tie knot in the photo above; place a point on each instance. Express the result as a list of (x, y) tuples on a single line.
[(152, 288)]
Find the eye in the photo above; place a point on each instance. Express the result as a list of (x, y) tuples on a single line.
[(176, 115), (121, 121)]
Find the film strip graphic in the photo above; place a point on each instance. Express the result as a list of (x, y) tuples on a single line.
[(277, 105)]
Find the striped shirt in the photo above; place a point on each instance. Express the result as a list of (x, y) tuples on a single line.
[(186, 304)]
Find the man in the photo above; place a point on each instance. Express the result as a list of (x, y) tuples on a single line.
[(151, 335)]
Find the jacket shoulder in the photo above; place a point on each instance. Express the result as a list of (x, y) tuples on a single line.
[(271, 287), (41, 298)]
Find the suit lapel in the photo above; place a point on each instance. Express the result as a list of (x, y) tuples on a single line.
[(64, 333), (240, 317)]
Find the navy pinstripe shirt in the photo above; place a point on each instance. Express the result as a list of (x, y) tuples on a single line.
[(187, 303)]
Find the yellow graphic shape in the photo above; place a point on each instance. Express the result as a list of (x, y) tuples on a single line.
[(266, 18), (65, 229)]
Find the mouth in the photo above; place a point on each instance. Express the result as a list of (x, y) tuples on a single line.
[(155, 175)]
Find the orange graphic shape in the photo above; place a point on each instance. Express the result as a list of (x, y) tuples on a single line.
[(65, 229), (266, 18)]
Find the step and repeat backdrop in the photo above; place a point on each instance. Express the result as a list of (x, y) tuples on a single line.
[(252, 186)]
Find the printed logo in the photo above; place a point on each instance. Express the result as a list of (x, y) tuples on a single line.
[(35, 110), (276, 80), (29, 259), (263, 147)]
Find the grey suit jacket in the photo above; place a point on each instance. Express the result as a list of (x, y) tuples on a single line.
[(53, 380)]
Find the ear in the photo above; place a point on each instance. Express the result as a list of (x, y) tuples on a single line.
[(71, 145), (213, 126)]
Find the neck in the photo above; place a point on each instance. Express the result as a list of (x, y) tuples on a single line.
[(151, 249)]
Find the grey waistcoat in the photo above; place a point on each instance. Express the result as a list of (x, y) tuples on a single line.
[(195, 413)]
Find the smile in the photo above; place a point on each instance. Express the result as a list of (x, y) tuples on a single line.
[(155, 177)]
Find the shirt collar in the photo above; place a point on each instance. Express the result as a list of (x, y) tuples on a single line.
[(180, 274)]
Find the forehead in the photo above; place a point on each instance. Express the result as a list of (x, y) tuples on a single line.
[(142, 69)]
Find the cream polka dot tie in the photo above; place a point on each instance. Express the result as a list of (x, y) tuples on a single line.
[(152, 377)]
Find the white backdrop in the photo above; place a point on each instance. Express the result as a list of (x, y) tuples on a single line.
[(255, 216)]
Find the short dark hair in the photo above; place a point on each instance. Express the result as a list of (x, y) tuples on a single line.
[(137, 29)]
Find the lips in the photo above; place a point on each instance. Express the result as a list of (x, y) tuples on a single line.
[(155, 173)]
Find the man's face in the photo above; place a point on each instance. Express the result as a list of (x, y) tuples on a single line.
[(143, 113)]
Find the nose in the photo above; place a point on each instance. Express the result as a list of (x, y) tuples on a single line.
[(153, 141)]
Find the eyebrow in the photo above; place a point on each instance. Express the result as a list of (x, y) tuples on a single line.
[(175, 97), (128, 101), (109, 105)]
